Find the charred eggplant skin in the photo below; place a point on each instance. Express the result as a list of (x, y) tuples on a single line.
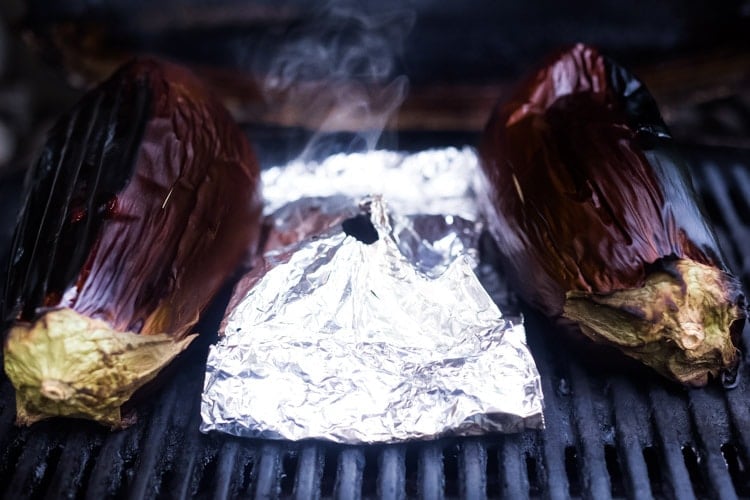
[(588, 197), (145, 194), (88, 158), (145, 199)]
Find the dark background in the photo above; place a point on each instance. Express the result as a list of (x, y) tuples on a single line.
[(610, 431), (458, 57)]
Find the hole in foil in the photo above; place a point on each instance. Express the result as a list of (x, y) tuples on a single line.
[(361, 228)]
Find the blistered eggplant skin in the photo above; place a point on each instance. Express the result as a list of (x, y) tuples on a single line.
[(598, 222), (145, 199)]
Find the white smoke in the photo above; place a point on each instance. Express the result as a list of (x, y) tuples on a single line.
[(339, 71)]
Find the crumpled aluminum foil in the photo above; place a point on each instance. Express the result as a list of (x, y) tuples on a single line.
[(436, 181), (354, 342)]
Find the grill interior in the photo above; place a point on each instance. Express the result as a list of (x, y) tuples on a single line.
[(611, 431)]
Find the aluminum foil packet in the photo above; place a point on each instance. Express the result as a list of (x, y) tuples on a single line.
[(365, 321)]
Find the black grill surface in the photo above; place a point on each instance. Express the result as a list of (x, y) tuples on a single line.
[(612, 431)]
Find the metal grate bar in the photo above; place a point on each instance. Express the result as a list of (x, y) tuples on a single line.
[(187, 446), (7, 415), (151, 458), (392, 477), (594, 470), (739, 408), (667, 429), (181, 478), (473, 470), (225, 486), (31, 465), (722, 176), (269, 467), (556, 389), (431, 476), (349, 477), (741, 179), (716, 184), (710, 417), (78, 451), (309, 471), (514, 477), (110, 467), (717, 179), (632, 434), (739, 191), (654, 438)]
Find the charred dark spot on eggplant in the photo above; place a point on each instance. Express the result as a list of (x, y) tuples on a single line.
[(598, 223), (145, 199), (88, 158)]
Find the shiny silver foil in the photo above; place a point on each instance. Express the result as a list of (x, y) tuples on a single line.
[(437, 181), (354, 341)]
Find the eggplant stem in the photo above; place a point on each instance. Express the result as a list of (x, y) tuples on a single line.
[(68, 364), (678, 323)]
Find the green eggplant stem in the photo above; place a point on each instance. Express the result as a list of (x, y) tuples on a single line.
[(67, 364), (676, 323)]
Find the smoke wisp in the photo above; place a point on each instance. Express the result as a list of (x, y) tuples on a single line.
[(340, 70)]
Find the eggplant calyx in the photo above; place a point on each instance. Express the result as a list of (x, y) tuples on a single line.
[(67, 364), (680, 322), (56, 390)]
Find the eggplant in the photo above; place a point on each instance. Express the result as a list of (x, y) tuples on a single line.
[(598, 224), (144, 201)]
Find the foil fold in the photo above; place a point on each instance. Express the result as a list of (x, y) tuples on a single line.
[(367, 324)]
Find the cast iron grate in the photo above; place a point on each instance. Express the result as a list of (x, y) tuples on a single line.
[(610, 433)]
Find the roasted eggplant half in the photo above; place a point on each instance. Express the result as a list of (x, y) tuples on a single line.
[(598, 224), (144, 200)]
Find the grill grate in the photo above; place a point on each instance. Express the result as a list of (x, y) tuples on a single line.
[(609, 433)]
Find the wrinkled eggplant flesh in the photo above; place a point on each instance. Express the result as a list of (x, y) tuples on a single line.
[(145, 199), (598, 223)]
